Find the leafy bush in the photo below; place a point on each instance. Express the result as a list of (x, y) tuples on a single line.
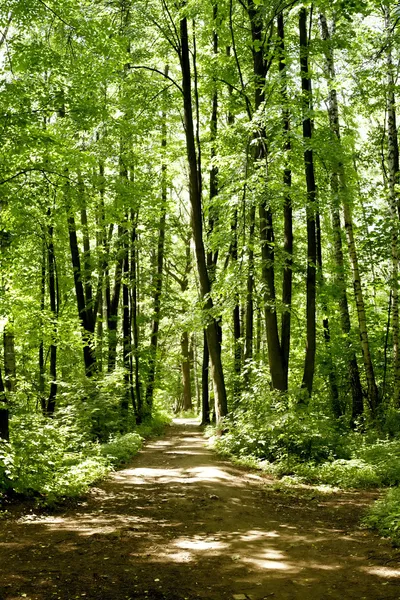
[(279, 430), (54, 458), (354, 473), (120, 449), (384, 455), (384, 516)]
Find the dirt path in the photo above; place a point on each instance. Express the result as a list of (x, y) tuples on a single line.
[(180, 524)]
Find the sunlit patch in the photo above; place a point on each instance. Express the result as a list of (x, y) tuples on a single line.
[(210, 474), (382, 572), (140, 475), (270, 565), (256, 534), (199, 545)]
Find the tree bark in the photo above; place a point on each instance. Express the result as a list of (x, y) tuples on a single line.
[(4, 413), (213, 340), (187, 390), (339, 192), (260, 69), (393, 180), (205, 400), (54, 303), (309, 364), (287, 206), (134, 317), (85, 312), (158, 281)]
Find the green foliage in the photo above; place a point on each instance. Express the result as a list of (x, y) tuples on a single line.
[(120, 449), (275, 428), (53, 459), (384, 516)]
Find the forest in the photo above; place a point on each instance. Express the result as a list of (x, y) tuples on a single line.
[(199, 214)]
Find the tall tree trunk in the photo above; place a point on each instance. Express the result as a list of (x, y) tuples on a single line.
[(128, 395), (101, 242), (159, 272), (336, 406), (187, 391), (287, 206), (260, 69), (4, 413), (213, 338), (42, 373), (86, 313), (393, 180), (237, 329), (134, 316), (54, 303), (205, 400), (113, 305), (10, 371), (237, 349), (339, 192), (249, 315), (309, 364), (212, 256), (195, 373)]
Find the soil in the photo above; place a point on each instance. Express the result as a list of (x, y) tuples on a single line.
[(179, 523)]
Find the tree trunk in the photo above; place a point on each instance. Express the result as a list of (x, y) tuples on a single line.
[(393, 180), (187, 391), (205, 399), (213, 339), (249, 315), (159, 273), (10, 371), (134, 317), (54, 303), (128, 395), (86, 317), (42, 374), (260, 69), (113, 304), (339, 191), (287, 207), (4, 414), (336, 406), (309, 364)]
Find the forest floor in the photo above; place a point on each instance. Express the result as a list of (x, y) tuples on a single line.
[(178, 523)]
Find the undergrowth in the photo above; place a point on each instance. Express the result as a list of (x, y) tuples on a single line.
[(52, 459)]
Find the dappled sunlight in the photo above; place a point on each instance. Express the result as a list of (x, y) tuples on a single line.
[(200, 544), (258, 534), (265, 564), (384, 572), (210, 474)]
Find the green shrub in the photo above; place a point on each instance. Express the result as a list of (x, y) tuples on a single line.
[(354, 473), (120, 449), (384, 516), (55, 458), (384, 455), (279, 429)]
